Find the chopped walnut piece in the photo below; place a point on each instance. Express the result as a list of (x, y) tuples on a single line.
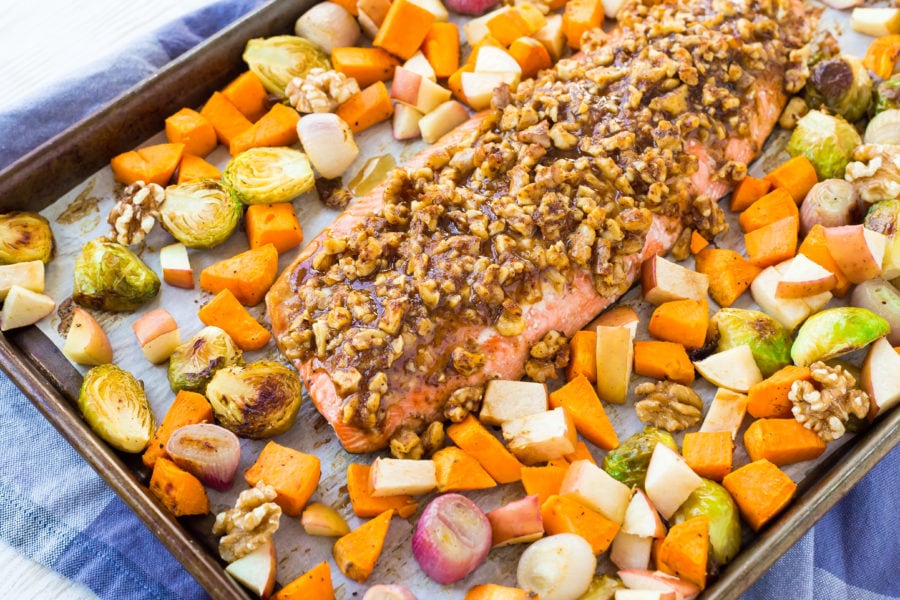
[(467, 363), (332, 194), (796, 108), (135, 212), (547, 356), (320, 91), (245, 527), (406, 444), (461, 402), (668, 405), (825, 404)]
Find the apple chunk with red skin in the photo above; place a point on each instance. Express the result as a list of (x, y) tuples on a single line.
[(176, 266), (158, 335), (669, 480), (256, 571), (881, 377), (804, 278), (642, 579), (405, 125), (857, 251), (516, 522), (441, 120), (664, 281), (629, 551), (641, 517), (86, 342), (589, 484)]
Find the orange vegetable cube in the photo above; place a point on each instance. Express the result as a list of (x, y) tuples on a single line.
[(663, 360), (150, 164), (578, 17), (188, 408), (685, 550), (248, 95), (782, 441), (698, 242), (774, 243), (769, 398), (404, 28), (531, 55), (730, 274), (761, 491), (470, 435), (441, 48), (579, 398), (293, 474), (315, 583), (359, 489), (814, 248), (582, 452), (709, 453), (366, 65), (508, 25), (492, 591), (457, 471), (224, 311), (796, 176), (681, 321), (356, 552), (562, 514), (583, 355), (274, 224), (248, 275), (747, 191), (543, 482), (193, 168), (369, 107), (278, 127), (777, 204), (226, 119), (179, 491), (192, 129)]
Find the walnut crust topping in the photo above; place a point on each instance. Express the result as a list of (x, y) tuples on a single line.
[(254, 518), (668, 405), (826, 404), (563, 175)]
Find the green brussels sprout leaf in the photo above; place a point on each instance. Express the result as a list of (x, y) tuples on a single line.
[(109, 276), (113, 403), (269, 175), (827, 141), (200, 214)]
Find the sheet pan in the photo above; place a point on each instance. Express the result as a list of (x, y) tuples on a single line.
[(70, 169)]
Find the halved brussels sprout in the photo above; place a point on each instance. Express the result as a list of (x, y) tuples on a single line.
[(256, 401), (713, 501), (195, 361), (827, 141), (200, 214), (628, 462), (269, 175), (113, 403), (109, 276), (884, 217), (25, 236), (887, 94), (769, 340), (842, 84), (277, 60)]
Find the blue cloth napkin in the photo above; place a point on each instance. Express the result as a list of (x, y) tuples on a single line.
[(75, 525)]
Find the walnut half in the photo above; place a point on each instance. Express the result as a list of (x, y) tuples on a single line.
[(254, 518), (825, 404), (668, 405)]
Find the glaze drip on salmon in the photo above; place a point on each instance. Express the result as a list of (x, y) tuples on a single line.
[(534, 217)]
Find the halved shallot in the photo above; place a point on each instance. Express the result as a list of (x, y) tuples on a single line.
[(208, 451), (452, 538)]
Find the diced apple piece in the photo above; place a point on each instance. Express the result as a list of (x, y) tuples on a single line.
[(158, 335), (176, 266), (629, 551), (618, 315), (86, 342), (516, 522), (890, 266), (24, 307), (597, 489), (496, 60), (726, 413), (876, 22), (644, 595), (641, 517), (406, 122), (790, 312), (881, 377), (664, 281), (478, 88), (442, 120), (804, 278), (395, 476), (669, 480), (417, 63), (367, 24), (734, 369), (256, 571), (435, 7), (615, 362), (858, 251), (505, 400), (640, 579), (476, 29), (552, 37), (541, 437), (322, 520), (431, 95), (29, 275), (405, 85), (611, 7)]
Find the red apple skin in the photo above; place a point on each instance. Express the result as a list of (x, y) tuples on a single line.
[(405, 125), (644, 579), (153, 324), (405, 86), (851, 251), (518, 521), (880, 376), (179, 278)]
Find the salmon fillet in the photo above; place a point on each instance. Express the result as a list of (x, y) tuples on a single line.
[(551, 200)]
